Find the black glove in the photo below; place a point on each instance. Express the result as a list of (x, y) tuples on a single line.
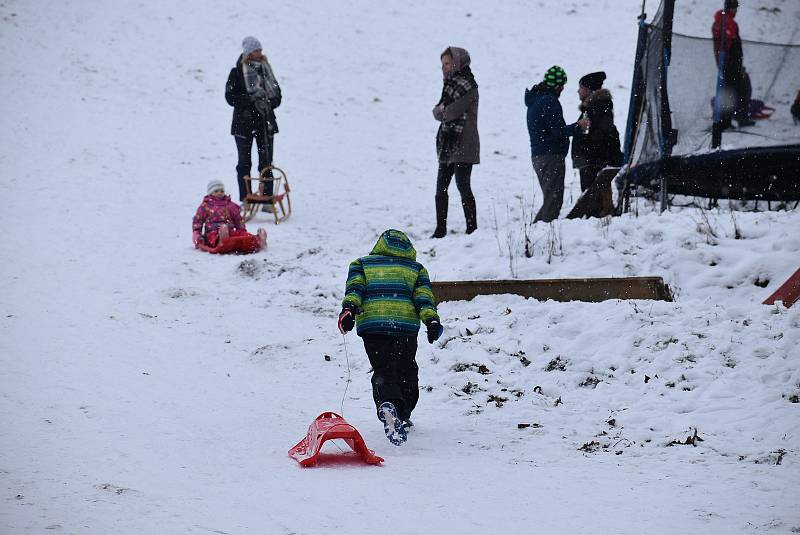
[(435, 330), (347, 318), (259, 94)]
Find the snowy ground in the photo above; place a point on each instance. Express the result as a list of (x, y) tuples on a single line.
[(149, 388)]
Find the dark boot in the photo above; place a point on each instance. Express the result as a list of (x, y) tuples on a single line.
[(441, 217), (470, 214)]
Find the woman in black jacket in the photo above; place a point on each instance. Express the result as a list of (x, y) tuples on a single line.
[(254, 93), (598, 146)]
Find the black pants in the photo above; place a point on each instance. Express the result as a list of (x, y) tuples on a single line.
[(462, 171), (588, 174), (394, 371), (735, 93), (244, 145)]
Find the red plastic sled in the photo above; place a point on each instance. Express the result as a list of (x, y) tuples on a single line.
[(329, 426), (789, 292), (234, 244)]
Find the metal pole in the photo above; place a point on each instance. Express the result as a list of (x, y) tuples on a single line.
[(633, 109), (666, 134)]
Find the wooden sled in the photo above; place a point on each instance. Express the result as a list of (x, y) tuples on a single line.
[(596, 201), (280, 201)]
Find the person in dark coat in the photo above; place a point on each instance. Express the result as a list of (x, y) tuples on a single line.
[(254, 93), (736, 89), (596, 147), (457, 141), (549, 136)]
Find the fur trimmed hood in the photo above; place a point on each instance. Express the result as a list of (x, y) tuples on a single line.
[(598, 99)]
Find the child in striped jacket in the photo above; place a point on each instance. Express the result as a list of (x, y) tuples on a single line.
[(387, 294)]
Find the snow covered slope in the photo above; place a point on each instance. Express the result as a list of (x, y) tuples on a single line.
[(149, 388)]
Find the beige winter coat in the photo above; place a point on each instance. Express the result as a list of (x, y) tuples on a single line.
[(467, 146)]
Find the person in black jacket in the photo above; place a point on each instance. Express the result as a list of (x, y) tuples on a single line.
[(254, 93), (598, 146)]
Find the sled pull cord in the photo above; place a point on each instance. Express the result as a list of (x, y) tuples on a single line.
[(347, 381)]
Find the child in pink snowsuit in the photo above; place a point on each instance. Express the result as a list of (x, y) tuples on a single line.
[(218, 219)]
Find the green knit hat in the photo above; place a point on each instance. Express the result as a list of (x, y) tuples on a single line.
[(555, 76)]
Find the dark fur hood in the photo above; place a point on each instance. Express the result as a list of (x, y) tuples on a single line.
[(600, 99)]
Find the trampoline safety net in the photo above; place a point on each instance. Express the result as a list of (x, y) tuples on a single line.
[(669, 131)]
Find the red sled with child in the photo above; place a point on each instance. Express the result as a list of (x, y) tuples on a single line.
[(218, 228)]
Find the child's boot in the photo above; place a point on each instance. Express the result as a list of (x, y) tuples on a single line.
[(262, 238), (392, 424)]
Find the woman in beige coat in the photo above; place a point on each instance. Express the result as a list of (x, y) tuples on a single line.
[(457, 142)]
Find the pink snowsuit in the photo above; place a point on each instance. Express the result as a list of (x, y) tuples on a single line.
[(214, 213)]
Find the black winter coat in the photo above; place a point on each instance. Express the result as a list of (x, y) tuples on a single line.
[(600, 147), (246, 119)]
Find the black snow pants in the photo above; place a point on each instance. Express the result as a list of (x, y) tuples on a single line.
[(244, 146), (395, 374)]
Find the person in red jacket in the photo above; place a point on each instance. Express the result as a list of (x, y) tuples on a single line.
[(735, 91)]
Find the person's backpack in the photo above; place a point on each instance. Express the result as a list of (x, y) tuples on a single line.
[(796, 108)]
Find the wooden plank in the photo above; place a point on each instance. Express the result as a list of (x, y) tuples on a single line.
[(788, 293), (592, 290), (597, 200)]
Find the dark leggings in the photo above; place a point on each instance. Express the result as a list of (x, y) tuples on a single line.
[(244, 146), (394, 371), (462, 172)]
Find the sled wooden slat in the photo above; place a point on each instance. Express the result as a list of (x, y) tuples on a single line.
[(591, 290), (255, 197)]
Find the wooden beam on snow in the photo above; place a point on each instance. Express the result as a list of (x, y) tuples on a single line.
[(591, 290)]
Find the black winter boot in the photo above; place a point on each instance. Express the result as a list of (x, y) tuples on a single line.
[(441, 217), (470, 214)]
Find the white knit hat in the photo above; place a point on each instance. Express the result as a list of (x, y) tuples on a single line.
[(215, 184), (249, 44)]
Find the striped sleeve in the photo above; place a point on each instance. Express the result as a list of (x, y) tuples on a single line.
[(424, 301), (356, 282)]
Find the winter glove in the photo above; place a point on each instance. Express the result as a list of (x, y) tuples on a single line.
[(435, 330), (259, 94), (347, 320), (197, 239)]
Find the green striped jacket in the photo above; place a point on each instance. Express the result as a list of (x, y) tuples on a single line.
[(391, 288)]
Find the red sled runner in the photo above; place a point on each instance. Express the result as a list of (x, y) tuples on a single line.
[(330, 426), (788, 293), (233, 245), (239, 242)]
